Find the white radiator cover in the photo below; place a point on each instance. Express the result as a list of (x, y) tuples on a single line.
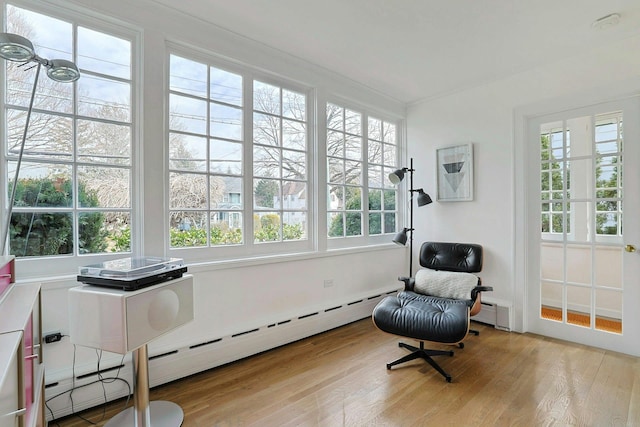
[(496, 314)]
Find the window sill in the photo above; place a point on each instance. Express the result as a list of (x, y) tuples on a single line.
[(272, 259)]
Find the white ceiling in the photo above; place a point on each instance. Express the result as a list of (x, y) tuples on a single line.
[(418, 49)]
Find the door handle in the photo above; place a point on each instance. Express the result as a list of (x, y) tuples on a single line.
[(630, 248)]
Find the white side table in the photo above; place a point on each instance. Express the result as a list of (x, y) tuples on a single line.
[(120, 321)]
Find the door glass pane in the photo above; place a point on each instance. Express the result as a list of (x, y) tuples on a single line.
[(579, 184), (551, 301), (608, 134), (579, 137), (579, 264), (578, 217), (608, 266), (552, 261), (579, 306), (609, 310)]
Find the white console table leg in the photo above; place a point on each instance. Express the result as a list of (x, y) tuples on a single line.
[(145, 413)]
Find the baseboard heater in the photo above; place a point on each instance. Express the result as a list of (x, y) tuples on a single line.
[(495, 315)]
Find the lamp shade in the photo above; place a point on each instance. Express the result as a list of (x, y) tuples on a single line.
[(396, 176), (401, 237), (62, 70), (16, 48), (423, 198)]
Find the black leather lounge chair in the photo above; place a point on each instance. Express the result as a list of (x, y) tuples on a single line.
[(437, 303)]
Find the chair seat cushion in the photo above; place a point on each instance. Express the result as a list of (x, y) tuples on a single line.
[(422, 317), (446, 284)]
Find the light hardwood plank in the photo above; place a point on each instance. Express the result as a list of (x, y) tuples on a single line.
[(339, 378)]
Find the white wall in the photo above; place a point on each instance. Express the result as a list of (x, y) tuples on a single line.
[(229, 298), (492, 118), (234, 300)]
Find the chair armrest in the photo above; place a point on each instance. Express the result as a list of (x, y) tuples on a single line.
[(476, 291), (408, 282)]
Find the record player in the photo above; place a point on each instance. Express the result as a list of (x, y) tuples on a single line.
[(130, 274)]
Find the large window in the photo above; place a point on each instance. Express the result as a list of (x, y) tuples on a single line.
[(74, 189), (205, 155), (243, 152), (352, 211), (214, 157)]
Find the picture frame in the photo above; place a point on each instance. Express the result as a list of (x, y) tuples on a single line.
[(454, 176)]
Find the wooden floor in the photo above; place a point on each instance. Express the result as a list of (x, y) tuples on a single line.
[(339, 378)]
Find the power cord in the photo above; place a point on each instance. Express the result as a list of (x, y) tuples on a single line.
[(102, 380)]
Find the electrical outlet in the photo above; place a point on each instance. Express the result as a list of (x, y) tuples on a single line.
[(55, 337), (328, 283)]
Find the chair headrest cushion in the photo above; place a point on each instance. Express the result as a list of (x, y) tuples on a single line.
[(445, 284), (447, 256)]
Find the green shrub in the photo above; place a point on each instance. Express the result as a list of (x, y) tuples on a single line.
[(42, 233)]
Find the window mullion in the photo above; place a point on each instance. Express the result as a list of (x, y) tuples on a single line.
[(365, 173), (247, 180)]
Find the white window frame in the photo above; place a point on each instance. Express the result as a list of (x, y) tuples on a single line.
[(365, 240), (249, 248), (63, 264)]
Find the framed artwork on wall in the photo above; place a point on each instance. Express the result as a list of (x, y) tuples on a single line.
[(455, 173)]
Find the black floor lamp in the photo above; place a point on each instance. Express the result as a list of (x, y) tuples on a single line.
[(19, 49), (423, 199)]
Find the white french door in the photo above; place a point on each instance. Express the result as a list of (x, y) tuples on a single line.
[(583, 191)]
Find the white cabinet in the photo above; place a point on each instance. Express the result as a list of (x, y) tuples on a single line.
[(123, 321), (20, 316), (11, 408)]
